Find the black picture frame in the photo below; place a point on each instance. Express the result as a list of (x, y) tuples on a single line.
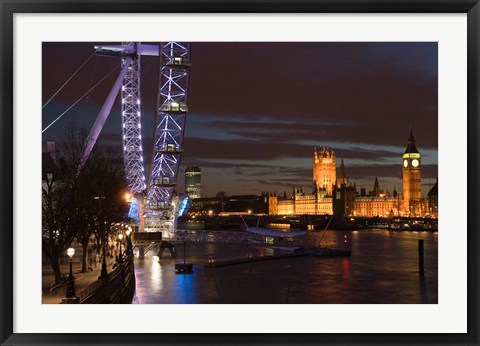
[(10, 7)]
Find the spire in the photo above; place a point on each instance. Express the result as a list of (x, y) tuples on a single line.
[(411, 147), (434, 190), (376, 188), (342, 175)]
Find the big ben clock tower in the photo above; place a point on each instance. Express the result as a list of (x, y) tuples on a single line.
[(412, 183)]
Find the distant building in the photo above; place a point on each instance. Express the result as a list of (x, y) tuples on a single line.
[(285, 207), (229, 205), (378, 203), (333, 193), (324, 169), (273, 205), (319, 201), (412, 184), (344, 194), (193, 182), (433, 200)]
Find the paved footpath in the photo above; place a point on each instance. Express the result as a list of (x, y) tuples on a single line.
[(53, 294)]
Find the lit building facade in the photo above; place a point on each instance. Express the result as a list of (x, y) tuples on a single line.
[(344, 193), (334, 194), (320, 201), (377, 203), (193, 182), (301, 204), (433, 201), (286, 207), (324, 168), (316, 203), (412, 179)]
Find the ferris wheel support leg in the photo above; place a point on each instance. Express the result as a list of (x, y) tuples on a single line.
[(102, 116), (141, 213)]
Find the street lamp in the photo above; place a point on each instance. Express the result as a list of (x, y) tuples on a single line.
[(129, 241), (71, 279), (120, 237)]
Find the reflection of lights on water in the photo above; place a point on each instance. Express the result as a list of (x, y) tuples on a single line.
[(156, 274), (346, 268)]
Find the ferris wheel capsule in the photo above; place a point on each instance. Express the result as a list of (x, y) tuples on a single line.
[(174, 108), (165, 181), (160, 205), (178, 62), (170, 149)]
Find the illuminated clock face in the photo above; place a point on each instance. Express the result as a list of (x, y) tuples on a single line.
[(415, 163), (405, 163)]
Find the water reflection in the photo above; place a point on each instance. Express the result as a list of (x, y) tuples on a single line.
[(346, 268), (383, 268)]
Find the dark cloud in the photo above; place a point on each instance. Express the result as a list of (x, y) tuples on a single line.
[(255, 170), (277, 183), (265, 150), (385, 87), (320, 132), (395, 171)]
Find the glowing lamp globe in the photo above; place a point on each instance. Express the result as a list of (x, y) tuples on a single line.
[(71, 252)]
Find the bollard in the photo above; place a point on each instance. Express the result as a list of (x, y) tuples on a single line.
[(141, 251), (420, 258)]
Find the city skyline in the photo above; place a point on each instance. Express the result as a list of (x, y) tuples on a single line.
[(254, 121)]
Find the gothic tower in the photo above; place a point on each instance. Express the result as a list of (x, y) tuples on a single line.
[(412, 187), (376, 188), (342, 175), (324, 168)]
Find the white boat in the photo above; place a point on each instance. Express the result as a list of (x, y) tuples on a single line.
[(275, 239)]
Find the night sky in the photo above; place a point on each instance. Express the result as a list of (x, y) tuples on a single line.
[(257, 110)]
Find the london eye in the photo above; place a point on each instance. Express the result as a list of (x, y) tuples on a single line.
[(152, 184)]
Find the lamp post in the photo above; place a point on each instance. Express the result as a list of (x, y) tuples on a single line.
[(120, 237), (71, 279), (70, 297), (103, 272), (129, 241)]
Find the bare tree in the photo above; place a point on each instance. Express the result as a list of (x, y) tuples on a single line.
[(107, 183), (57, 233), (83, 202)]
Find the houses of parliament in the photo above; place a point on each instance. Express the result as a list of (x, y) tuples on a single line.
[(333, 193)]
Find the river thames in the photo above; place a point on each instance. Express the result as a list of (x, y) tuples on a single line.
[(382, 269)]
